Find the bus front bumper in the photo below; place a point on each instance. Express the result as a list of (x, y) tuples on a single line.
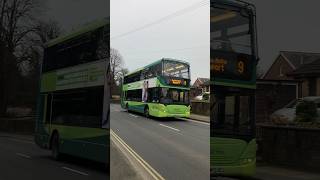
[(185, 115), (169, 111)]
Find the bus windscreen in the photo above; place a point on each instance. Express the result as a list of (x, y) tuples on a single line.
[(176, 69)]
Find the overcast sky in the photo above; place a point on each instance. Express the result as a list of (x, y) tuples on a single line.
[(185, 37), (287, 25), (74, 13)]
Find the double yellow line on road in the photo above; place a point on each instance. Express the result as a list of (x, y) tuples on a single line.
[(139, 159)]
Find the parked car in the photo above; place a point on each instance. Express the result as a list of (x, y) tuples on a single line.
[(203, 96), (288, 112)]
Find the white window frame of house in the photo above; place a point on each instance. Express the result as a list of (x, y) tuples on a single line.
[(280, 71)]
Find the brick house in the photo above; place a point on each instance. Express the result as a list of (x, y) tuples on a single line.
[(199, 86), (287, 62), (309, 77), (297, 66)]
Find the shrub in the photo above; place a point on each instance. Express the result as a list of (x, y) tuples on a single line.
[(306, 111)]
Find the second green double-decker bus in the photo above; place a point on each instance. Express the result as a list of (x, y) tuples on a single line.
[(73, 106), (160, 89), (233, 62)]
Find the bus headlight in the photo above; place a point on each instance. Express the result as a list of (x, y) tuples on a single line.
[(188, 109), (246, 160), (162, 108)]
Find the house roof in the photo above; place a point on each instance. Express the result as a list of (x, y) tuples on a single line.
[(202, 81), (298, 59), (310, 69)]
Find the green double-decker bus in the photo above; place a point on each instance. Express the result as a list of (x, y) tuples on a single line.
[(73, 106), (160, 89), (233, 60)]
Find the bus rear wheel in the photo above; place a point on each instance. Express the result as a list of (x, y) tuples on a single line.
[(55, 146), (146, 112)]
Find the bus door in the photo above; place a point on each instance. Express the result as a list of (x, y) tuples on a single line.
[(233, 115), (48, 113)]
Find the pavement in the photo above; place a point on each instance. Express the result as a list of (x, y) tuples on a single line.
[(121, 166), (268, 172), (198, 117), (21, 158), (169, 148)]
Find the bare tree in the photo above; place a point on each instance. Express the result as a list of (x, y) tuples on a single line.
[(47, 30), (16, 22), (117, 70), (121, 74), (116, 63), (30, 52)]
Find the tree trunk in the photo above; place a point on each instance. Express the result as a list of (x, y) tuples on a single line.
[(3, 87)]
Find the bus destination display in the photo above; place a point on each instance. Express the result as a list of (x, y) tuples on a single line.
[(234, 66)]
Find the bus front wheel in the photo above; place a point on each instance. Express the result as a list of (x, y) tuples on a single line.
[(146, 111), (55, 146)]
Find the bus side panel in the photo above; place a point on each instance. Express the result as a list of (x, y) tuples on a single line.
[(136, 106), (88, 143), (86, 149)]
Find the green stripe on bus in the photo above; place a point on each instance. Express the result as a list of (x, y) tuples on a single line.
[(73, 132), (48, 82)]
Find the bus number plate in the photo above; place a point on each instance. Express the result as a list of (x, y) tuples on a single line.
[(217, 170)]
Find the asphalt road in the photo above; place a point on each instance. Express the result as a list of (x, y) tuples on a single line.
[(267, 172), (22, 159), (176, 149)]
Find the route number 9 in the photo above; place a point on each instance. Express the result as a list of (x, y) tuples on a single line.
[(241, 67)]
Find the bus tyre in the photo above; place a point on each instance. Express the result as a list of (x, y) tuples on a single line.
[(127, 107), (55, 146), (146, 111)]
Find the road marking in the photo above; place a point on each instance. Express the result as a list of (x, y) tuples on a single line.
[(133, 115), (200, 122), (23, 155), (18, 140), (169, 127), (139, 159), (75, 171), (206, 123)]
